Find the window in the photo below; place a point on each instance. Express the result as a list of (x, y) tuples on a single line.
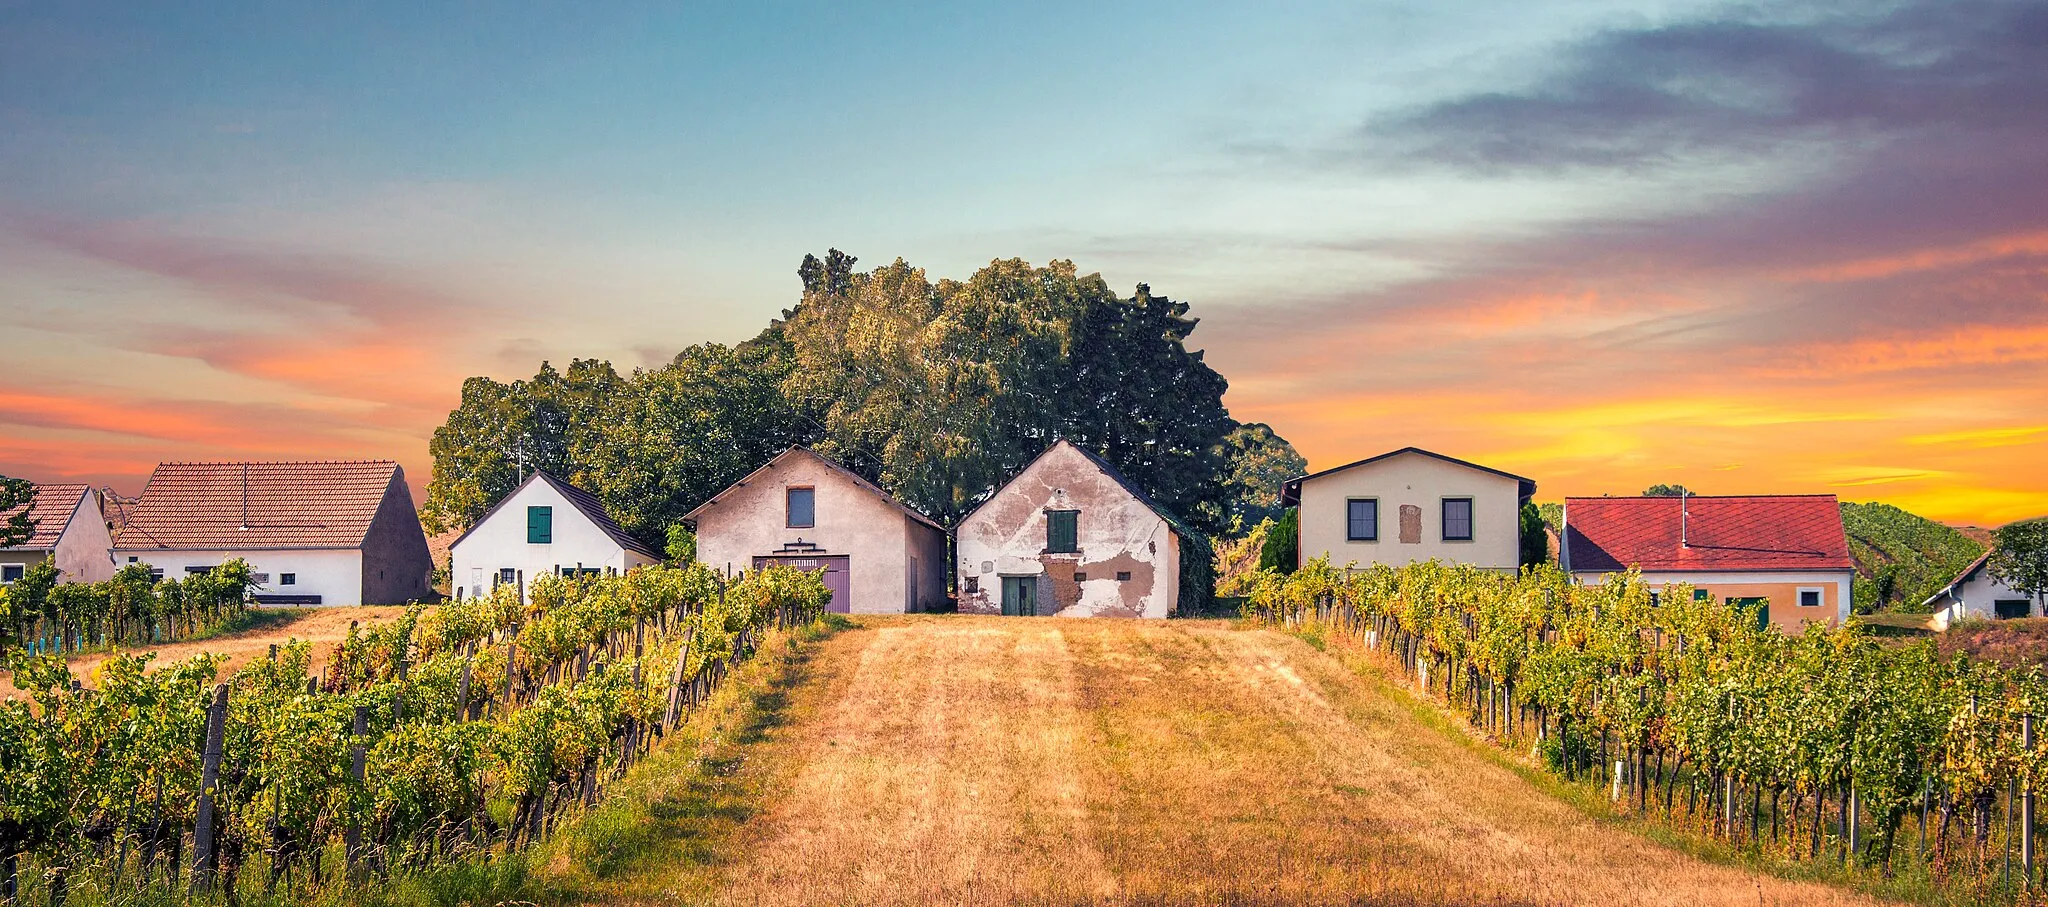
[(1080, 577), (1656, 599), (132, 558), (1062, 531), (540, 525), (2006, 608), (11, 573), (1702, 595), (973, 585), (261, 579), (198, 571), (1457, 519), (573, 572), (507, 576), (1362, 520), (1123, 576), (803, 508), (1811, 598), (287, 579)]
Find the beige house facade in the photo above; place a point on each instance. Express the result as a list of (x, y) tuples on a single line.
[(1411, 505), (801, 509), (1069, 537)]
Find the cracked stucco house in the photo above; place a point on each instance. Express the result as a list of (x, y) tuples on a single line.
[(1069, 537)]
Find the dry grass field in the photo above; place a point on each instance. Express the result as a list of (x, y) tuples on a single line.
[(965, 760)]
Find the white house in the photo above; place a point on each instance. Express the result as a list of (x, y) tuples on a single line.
[(1977, 593), (1069, 536), (544, 526), (327, 532), (70, 528), (1411, 505)]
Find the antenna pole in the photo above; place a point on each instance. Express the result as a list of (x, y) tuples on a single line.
[(1684, 520)]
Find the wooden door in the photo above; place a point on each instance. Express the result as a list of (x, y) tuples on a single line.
[(837, 575), (1020, 596)]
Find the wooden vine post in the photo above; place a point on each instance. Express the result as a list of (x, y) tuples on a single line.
[(204, 858), (358, 756), (2027, 807)]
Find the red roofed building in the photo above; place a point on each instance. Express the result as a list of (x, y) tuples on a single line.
[(69, 529), (327, 532), (1786, 553)]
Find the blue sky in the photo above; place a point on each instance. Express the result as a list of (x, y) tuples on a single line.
[(260, 231)]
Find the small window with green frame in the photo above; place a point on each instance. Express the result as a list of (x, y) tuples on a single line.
[(540, 525)]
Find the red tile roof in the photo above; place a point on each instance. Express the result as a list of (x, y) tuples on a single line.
[(316, 504), (1756, 533), (51, 512)]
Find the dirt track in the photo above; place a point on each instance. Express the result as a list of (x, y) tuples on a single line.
[(322, 626), (954, 760)]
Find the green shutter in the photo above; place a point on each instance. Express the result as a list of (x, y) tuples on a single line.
[(540, 525), (1062, 531)]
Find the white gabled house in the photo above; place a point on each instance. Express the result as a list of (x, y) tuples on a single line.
[(70, 529), (1977, 593), (544, 526)]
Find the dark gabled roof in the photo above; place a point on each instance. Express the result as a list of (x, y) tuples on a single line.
[(1700, 533), (1969, 573), (794, 450), (584, 502), (306, 504), (1173, 522), (1290, 494), (51, 512)]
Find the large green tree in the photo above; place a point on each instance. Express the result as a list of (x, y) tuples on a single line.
[(942, 390), (2019, 557), (16, 495), (500, 431), (672, 437), (1258, 463)]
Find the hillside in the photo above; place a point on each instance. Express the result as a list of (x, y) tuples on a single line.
[(1901, 558)]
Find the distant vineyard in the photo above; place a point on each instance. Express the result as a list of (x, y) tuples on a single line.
[(1797, 746), (1902, 558), (40, 614), (449, 732)]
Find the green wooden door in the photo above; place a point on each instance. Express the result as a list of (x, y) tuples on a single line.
[(1020, 596)]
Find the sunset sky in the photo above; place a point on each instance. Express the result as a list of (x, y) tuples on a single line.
[(1746, 248)]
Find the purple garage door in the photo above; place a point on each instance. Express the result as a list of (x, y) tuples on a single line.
[(835, 567)]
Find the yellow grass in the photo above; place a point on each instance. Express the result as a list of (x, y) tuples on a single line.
[(969, 760)]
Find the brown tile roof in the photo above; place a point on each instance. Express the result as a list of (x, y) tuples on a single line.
[(51, 512), (1749, 533), (313, 504)]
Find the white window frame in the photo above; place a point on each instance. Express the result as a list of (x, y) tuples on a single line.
[(1820, 594)]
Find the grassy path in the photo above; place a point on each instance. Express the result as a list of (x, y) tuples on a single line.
[(944, 760)]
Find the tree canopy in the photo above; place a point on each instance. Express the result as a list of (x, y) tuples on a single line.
[(15, 497), (938, 390), (2019, 557), (1661, 490)]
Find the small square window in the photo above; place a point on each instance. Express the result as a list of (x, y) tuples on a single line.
[(132, 558), (1702, 595), (507, 576), (11, 573), (287, 579), (1080, 577), (1123, 576), (973, 585), (1809, 598), (803, 508), (1656, 599), (1457, 519)]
